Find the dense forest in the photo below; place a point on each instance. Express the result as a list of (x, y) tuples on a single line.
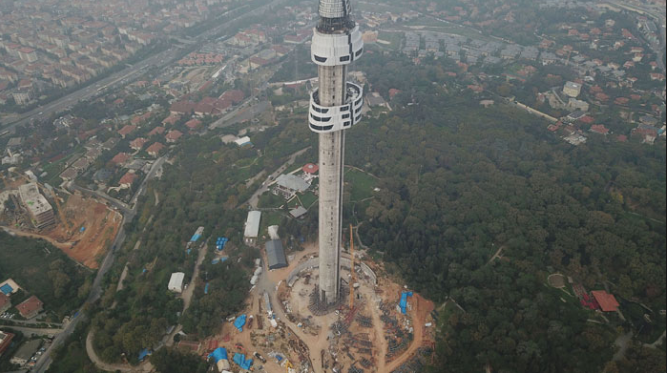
[(45, 271), (459, 181)]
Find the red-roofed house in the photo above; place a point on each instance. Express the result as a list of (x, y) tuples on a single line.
[(138, 143), (657, 76), (310, 168), (621, 101), (171, 119), (621, 138), (607, 302), (5, 341), (193, 123), (599, 128), (120, 158), (173, 136), (141, 118), (155, 149), (234, 95), (586, 119), (128, 129), (182, 107), (127, 180), (393, 91), (156, 131), (30, 307)]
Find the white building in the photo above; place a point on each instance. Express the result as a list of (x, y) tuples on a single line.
[(176, 282), (572, 89), (252, 227)]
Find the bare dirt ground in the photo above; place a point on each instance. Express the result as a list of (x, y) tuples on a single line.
[(99, 223), (420, 313), (89, 229)]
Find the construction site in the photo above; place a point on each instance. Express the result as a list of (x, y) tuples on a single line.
[(378, 325), (82, 227)]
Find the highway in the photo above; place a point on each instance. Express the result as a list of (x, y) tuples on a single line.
[(132, 72), (116, 80), (113, 81)]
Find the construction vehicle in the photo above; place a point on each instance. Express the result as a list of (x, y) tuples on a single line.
[(289, 368), (260, 357)]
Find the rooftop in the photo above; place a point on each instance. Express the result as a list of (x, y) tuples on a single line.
[(31, 197), (252, 224), (292, 182), (276, 254), (29, 306), (607, 301)]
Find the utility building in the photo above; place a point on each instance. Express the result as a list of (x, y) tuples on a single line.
[(335, 106), (251, 230), (176, 282), (276, 254)]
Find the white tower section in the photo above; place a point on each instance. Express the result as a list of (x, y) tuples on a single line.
[(334, 107)]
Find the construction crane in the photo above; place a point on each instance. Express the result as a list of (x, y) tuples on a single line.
[(289, 368), (353, 279), (60, 210)]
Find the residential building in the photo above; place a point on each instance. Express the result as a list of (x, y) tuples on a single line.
[(38, 206), (572, 89), (5, 341), (30, 307), (173, 136), (155, 149), (127, 180)]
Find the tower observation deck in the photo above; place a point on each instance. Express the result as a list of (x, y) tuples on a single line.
[(335, 106)]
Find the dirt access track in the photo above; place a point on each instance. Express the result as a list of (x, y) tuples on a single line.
[(89, 229)]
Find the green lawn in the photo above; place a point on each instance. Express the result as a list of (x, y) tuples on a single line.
[(307, 199), (269, 218), (54, 169), (361, 184)]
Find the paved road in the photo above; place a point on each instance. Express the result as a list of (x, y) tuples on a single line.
[(130, 73), (35, 331), (122, 77), (96, 291)]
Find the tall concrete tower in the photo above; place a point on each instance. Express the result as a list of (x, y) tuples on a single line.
[(334, 107)]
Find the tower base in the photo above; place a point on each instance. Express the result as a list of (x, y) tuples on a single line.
[(318, 308)]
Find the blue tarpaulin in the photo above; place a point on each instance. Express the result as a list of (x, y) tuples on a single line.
[(242, 362), (195, 237), (218, 354), (145, 352), (206, 288), (223, 259), (220, 243), (6, 289), (239, 323), (404, 301)]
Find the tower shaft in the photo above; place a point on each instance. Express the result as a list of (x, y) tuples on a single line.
[(334, 107)]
